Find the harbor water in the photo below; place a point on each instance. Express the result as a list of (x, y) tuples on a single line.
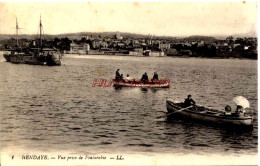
[(57, 108)]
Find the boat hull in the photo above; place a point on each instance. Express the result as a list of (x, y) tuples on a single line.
[(207, 115), (52, 60), (7, 58), (162, 84)]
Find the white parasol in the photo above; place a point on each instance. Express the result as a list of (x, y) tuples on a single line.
[(242, 101)]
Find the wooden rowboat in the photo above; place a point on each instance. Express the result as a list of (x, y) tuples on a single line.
[(201, 113), (163, 83)]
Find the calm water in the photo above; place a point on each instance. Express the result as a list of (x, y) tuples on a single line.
[(57, 109)]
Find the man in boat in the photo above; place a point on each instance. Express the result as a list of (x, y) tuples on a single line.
[(155, 76), (144, 78), (189, 101), (117, 74)]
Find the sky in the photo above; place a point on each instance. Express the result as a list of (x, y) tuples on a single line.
[(151, 18)]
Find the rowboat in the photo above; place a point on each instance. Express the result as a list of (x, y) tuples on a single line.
[(204, 114), (163, 83)]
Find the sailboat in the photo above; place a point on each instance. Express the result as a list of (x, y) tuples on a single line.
[(37, 55)]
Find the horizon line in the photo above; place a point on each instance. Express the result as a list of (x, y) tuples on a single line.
[(177, 36)]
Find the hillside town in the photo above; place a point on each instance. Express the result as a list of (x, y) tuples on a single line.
[(117, 44)]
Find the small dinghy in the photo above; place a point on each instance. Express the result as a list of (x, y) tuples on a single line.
[(201, 113)]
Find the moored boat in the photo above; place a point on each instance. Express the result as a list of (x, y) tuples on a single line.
[(162, 83), (204, 114), (32, 55), (48, 57)]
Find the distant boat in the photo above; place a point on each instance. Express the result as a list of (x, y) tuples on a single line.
[(33, 56), (201, 113)]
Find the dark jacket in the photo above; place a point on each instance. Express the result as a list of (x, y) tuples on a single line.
[(118, 76), (155, 76), (188, 102), (144, 78)]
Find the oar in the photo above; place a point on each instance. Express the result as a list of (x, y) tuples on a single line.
[(178, 111)]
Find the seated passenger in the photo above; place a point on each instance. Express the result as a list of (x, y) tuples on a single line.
[(144, 78), (189, 101), (239, 111), (227, 110), (155, 76)]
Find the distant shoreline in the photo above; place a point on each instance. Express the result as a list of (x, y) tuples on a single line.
[(124, 55)]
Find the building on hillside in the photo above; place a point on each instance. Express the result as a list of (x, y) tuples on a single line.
[(118, 36), (96, 43), (154, 53), (185, 52), (79, 48), (139, 49), (121, 44), (235, 45), (103, 44), (172, 52), (135, 53)]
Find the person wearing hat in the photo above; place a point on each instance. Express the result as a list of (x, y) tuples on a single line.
[(239, 111), (155, 76), (144, 78), (189, 101), (117, 74)]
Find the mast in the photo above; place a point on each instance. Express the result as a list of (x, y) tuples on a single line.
[(17, 31), (40, 30)]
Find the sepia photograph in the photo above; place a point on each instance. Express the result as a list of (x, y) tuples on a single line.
[(128, 83)]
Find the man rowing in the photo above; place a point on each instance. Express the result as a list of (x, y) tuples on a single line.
[(144, 78), (189, 101), (155, 76)]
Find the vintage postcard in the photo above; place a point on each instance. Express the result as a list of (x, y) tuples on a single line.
[(128, 83)]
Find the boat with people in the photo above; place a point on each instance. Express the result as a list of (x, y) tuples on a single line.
[(205, 114), (144, 82), (34, 54), (162, 83)]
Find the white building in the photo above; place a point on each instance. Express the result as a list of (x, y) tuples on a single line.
[(164, 46), (154, 53), (79, 49), (135, 53)]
